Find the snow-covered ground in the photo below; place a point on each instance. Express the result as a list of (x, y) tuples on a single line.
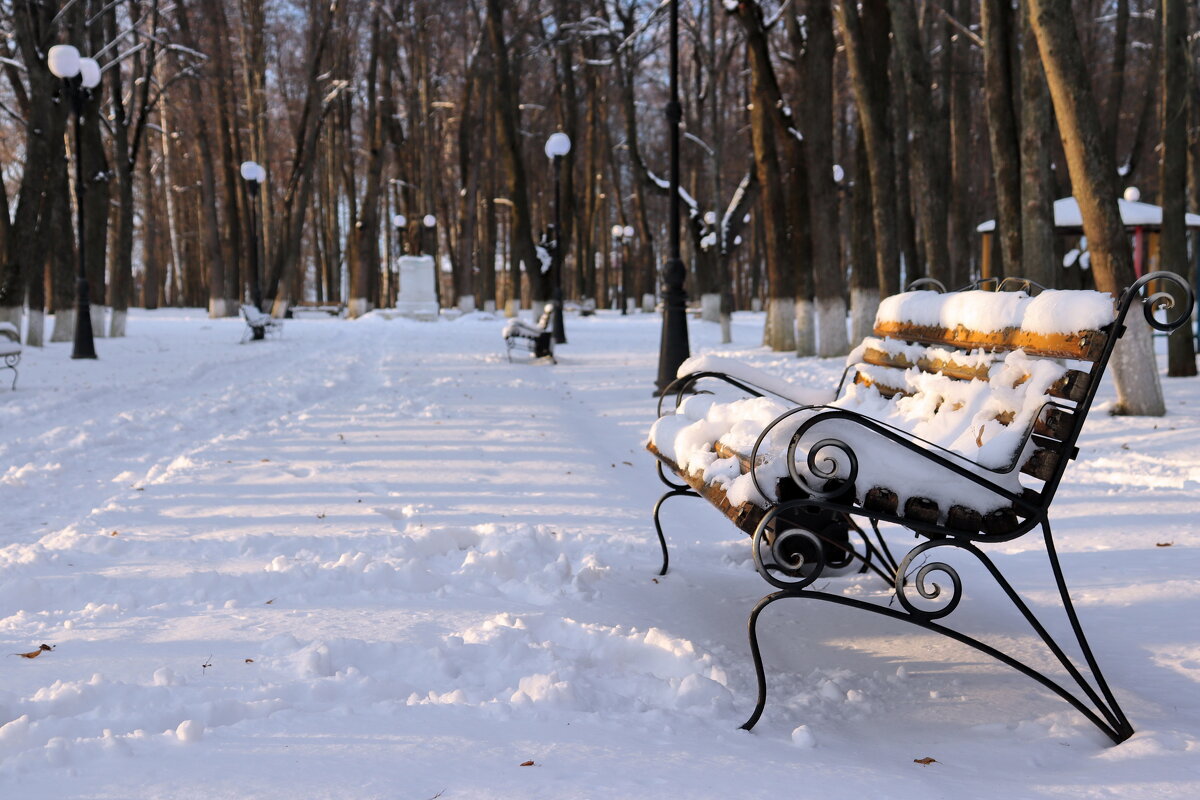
[(374, 560)]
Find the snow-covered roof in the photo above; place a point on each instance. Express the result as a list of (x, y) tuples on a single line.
[(1133, 214)]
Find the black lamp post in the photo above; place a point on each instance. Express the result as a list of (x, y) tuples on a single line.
[(674, 347), (557, 146), (79, 76), (254, 175)]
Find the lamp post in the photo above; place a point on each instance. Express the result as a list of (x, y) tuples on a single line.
[(79, 76), (254, 175), (674, 346), (557, 146), (399, 222), (622, 235)]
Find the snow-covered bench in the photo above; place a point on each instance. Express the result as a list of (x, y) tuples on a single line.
[(10, 348), (259, 324), (955, 421), (537, 339)]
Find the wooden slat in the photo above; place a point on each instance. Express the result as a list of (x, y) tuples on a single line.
[(746, 516), (1041, 464), (1083, 345), (1072, 386)]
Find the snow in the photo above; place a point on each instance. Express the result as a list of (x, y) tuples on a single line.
[(1133, 214), (372, 559), (1052, 311)]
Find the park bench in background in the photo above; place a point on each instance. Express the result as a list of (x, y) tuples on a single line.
[(258, 324), (10, 348), (537, 339), (955, 421)]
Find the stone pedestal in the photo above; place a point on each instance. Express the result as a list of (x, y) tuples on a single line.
[(418, 288)]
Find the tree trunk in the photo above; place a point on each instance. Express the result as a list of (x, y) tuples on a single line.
[(779, 333), (1173, 114), (1038, 261), (1093, 177), (829, 301), (866, 42), (961, 212), (925, 151), (1116, 79), (997, 24), (509, 137), (864, 285), (215, 258)]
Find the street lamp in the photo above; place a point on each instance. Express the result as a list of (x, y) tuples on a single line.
[(399, 222), (254, 175), (622, 235), (557, 146), (79, 76), (674, 346)]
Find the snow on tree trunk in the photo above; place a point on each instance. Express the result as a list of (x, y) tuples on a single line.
[(64, 326), (466, 303), (806, 332), (831, 327), (863, 305), (726, 328), (710, 306), (357, 306), (35, 332), (1135, 370), (99, 318), (216, 307), (116, 324), (779, 332)]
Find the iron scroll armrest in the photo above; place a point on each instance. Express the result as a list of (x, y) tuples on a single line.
[(951, 461), (1151, 302), (682, 386)]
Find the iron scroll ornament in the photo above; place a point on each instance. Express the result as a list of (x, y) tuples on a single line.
[(1160, 299)]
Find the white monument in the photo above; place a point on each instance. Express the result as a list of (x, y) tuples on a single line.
[(418, 288)]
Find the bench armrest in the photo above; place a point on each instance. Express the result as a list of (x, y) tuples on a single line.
[(823, 466)]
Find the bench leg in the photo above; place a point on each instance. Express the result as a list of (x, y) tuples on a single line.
[(1091, 697), (676, 490), (11, 361)]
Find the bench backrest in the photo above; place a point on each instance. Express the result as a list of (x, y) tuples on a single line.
[(965, 335)]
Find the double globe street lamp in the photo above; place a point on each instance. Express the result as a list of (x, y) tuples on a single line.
[(622, 235), (557, 146), (254, 175), (79, 76)]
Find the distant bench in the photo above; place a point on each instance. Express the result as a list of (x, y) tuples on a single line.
[(537, 339), (942, 419), (259, 324), (10, 348)]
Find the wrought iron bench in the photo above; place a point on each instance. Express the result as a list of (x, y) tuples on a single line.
[(259, 324), (812, 482), (10, 348), (536, 339)]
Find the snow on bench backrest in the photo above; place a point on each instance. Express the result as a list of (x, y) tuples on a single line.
[(1058, 324)]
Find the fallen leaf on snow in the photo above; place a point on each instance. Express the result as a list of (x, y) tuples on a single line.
[(45, 648), (1163, 544), (925, 762), (527, 764)]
